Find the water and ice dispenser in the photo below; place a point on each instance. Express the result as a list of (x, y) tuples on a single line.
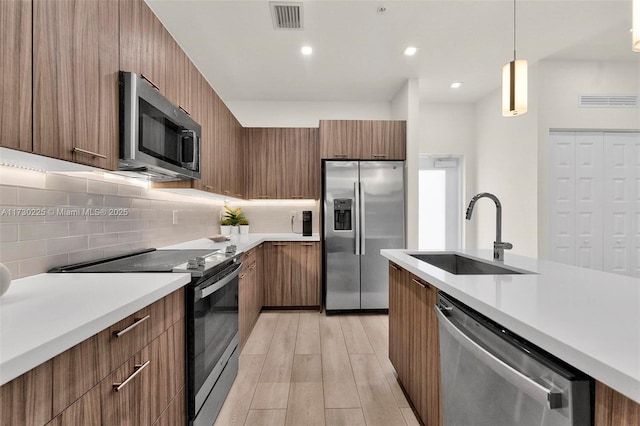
[(342, 214)]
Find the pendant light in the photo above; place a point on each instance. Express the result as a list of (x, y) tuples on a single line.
[(514, 81), (635, 38)]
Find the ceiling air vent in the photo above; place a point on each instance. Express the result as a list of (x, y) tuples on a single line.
[(286, 15), (608, 101)]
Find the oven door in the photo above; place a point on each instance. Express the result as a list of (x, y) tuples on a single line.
[(212, 333)]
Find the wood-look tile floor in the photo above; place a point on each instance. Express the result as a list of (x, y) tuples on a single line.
[(303, 369)]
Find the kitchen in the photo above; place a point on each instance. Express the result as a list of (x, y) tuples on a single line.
[(507, 156)]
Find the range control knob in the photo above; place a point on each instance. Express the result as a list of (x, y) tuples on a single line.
[(200, 260), (192, 264)]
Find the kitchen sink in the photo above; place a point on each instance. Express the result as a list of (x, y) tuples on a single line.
[(461, 265)]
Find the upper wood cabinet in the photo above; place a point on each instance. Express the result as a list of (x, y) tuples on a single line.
[(363, 139), (75, 81), (143, 41), (282, 163), (15, 74)]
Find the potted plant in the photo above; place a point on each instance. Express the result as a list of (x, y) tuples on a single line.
[(243, 224), (225, 226), (233, 217)]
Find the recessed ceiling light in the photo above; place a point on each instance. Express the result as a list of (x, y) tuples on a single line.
[(455, 85), (306, 50), (410, 51)]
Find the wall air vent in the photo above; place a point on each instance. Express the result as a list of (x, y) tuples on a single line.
[(286, 15), (608, 101)]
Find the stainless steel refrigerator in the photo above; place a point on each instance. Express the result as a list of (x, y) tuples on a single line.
[(363, 213)]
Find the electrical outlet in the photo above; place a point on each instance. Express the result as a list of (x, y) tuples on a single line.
[(175, 217)]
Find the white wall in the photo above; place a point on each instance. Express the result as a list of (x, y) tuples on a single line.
[(305, 114), (507, 166), (450, 129), (560, 84), (406, 106)]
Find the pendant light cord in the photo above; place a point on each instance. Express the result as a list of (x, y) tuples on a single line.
[(514, 30)]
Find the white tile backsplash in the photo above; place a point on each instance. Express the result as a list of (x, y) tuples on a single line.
[(8, 233), (8, 195), (42, 231), (40, 197), (65, 183), (67, 245), (86, 228), (22, 250), (98, 187)]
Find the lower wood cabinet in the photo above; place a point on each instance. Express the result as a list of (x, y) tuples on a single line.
[(108, 380), (613, 409), (250, 292), (413, 341), (292, 274)]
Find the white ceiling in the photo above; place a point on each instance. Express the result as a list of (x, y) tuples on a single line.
[(358, 52)]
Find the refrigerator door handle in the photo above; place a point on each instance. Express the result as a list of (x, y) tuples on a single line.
[(356, 190), (362, 222)]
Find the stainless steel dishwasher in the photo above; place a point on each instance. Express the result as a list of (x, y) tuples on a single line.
[(492, 377)]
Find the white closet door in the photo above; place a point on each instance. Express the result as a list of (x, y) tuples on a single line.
[(562, 197), (622, 203), (588, 216)]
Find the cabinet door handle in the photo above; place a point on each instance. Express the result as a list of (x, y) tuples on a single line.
[(249, 253), (226, 191), (253, 266), (185, 111), (264, 197), (242, 276), (340, 155), (136, 370), (379, 155), (394, 267), (84, 151), (209, 187), (144, 77), (136, 323), (239, 195), (297, 197), (307, 244), (419, 283)]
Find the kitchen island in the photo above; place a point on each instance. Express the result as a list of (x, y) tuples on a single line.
[(589, 319)]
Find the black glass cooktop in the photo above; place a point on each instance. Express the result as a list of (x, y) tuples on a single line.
[(147, 261)]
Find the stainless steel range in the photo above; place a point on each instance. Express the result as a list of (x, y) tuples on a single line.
[(211, 309)]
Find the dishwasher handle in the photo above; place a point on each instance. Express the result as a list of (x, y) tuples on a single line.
[(552, 398)]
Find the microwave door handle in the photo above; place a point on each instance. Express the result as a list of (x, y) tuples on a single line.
[(196, 148)]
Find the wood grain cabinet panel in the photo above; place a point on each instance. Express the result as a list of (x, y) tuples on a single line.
[(75, 81), (76, 371), (363, 139), (134, 335), (143, 41), (15, 74), (337, 140), (413, 341), (86, 411), (277, 289), (166, 368), (305, 281), (175, 413), (26, 400), (131, 404), (613, 409)]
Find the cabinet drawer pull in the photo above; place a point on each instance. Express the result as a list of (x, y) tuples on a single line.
[(242, 276), (249, 253), (136, 323), (340, 155), (379, 155), (394, 266), (264, 196), (240, 195), (136, 370), (253, 266), (226, 191), (209, 187), (297, 197), (144, 77), (307, 244), (419, 283), (84, 151), (185, 111)]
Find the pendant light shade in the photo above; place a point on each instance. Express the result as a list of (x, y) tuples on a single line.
[(635, 46), (514, 88), (514, 81)]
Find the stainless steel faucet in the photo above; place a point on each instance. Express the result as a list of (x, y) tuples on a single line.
[(498, 245)]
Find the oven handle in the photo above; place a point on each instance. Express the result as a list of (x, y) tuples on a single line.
[(201, 293), (549, 397)]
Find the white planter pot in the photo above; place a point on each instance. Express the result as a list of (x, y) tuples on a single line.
[(234, 229), (225, 229), (244, 229)]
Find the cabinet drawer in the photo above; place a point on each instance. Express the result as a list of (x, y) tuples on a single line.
[(249, 258), (125, 392), (126, 337)]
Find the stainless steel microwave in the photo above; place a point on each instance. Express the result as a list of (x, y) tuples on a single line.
[(157, 139)]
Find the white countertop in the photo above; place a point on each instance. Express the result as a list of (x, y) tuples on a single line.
[(242, 242), (44, 315), (588, 318)]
